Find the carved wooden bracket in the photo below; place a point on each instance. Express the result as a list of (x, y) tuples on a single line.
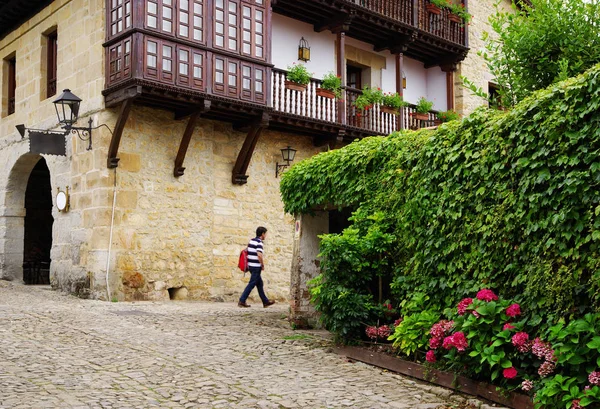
[(178, 170), (113, 150), (339, 23), (239, 176)]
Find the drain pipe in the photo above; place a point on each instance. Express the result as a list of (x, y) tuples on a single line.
[(112, 225)]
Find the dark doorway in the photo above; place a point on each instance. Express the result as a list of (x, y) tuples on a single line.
[(338, 220), (38, 226), (354, 76)]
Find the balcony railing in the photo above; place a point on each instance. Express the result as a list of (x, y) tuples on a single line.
[(404, 11), (309, 105)]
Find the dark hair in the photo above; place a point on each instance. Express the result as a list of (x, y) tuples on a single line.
[(260, 231)]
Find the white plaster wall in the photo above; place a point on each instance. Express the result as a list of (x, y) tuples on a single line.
[(416, 80), (287, 33), (436, 88)]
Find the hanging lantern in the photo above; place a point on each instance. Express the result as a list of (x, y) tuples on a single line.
[(303, 50), (403, 80)]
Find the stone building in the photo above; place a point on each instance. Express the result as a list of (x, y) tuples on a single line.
[(190, 111)]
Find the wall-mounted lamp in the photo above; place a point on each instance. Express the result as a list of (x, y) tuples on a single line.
[(288, 155), (67, 111), (303, 50), (403, 80)]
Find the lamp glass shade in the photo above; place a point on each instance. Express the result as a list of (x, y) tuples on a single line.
[(288, 154), (403, 80), (67, 107), (303, 50)]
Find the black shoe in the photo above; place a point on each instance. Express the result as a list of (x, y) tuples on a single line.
[(268, 303), (243, 305)]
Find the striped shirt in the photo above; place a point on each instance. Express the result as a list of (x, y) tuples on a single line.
[(254, 247)]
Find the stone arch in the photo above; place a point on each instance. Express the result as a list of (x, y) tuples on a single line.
[(12, 218)]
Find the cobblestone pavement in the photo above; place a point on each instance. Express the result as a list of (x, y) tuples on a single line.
[(60, 351)]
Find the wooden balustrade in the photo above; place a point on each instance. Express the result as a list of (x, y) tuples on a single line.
[(440, 24), (400, 10), (302, 103), (310, 105)]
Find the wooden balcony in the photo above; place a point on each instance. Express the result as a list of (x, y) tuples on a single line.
[(406, 26)]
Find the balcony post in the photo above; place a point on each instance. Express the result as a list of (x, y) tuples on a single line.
[(399, 87), (450, 89), (415, 13), (466, 4), (341, 72)]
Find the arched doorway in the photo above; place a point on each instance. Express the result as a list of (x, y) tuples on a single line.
[(37, 241)]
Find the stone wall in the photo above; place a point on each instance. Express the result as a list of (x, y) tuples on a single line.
[(188, 231), (474, 67)]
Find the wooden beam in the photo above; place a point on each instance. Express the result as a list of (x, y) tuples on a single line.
[(400, 87), (116, 98), (450, 90), (178, 170), (239, 176), (113, 150), (341, 72)]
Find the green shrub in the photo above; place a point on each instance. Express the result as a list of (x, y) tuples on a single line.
[(332, 83), (423, 106), (298, 73), (412, 335)]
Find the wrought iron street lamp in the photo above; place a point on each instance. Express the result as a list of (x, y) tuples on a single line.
[(67, 111), (288, 155)]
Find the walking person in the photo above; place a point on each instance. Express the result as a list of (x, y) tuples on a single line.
[(255, 265)]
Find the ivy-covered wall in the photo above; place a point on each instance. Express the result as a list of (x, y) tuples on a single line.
[(505, 200)]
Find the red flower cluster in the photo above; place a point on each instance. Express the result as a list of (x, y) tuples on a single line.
[(383, 331), (509, 373), (513, 310), (575, 404), (398, 322), (521, 341), (508, 326), (371, 332), (486, 295), (430, 356), (456, 340), (463, 305), (441, 328)]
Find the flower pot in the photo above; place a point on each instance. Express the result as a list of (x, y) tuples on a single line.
[(325, 93), (420, 117), (454, 18), (389, 110), (433, 9), (295, 86)]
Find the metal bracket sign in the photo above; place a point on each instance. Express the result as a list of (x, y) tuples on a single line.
[(47, 143)]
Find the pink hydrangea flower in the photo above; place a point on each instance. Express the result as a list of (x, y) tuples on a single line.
[(430, 356), (527, 385), (546, 369), (476, 314), (456, 340), (507, 327), (371, 332), (521, 341), (575, 404), (486, 295), (435, 343), (513, 310), (384, 331), (509, 373), (594, 378), (543, 350), (463, 305), (441, 328), (398, 322)]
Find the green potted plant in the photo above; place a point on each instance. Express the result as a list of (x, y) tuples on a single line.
[(297, 77), (446, 116), (422, 109), (330, 87), (391, 103), (368, 98), (436, 6), (458, 14)]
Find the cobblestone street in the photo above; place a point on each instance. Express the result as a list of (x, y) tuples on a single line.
[(60, 351)]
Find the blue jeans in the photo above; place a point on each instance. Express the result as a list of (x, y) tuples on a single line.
[(255, 281)]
